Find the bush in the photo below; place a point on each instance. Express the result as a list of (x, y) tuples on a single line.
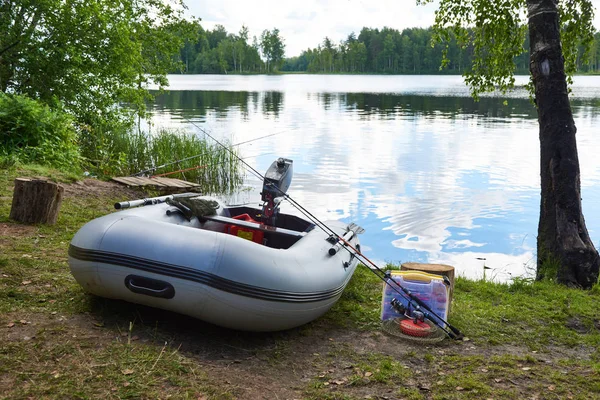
[(31, 132)]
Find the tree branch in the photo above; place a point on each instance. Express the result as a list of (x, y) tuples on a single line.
[(10, 46)]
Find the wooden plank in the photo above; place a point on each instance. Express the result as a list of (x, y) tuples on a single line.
[(135, 181), (126, 181), (186, 183), (153, 182), (168, 182), (157, 182)]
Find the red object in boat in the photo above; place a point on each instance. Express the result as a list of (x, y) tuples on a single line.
[(418, 329), (254, 235)]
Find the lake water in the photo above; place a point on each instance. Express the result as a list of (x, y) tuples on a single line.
[(430, 174)]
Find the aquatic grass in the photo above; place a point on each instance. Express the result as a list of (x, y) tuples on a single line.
[(212, 166), (172, 153)]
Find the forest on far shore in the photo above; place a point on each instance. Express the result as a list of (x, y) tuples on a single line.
[(372, 51)]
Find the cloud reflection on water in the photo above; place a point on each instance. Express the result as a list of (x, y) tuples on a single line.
[(431, 175)]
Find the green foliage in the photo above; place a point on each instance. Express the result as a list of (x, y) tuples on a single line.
[(390, 51), (125, 152), (216, 51), (31, 132), (577, 33), (273, 48), (498, 30), (90, 55)]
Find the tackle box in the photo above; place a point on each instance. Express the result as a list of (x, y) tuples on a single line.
[(429, 288)]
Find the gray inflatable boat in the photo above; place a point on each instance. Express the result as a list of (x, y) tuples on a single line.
[(238, 267)]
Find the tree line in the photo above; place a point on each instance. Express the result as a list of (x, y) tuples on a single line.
[(218, 52), (410, 51), (374, 50)]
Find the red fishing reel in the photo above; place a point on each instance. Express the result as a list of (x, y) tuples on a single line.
[(414, 322)]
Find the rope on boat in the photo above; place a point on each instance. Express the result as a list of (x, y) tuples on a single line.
[(418, 304)]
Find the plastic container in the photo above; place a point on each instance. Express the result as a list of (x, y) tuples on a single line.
[(253, 235), (428, 288)]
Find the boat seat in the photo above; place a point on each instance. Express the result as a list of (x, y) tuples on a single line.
[(253, 225)]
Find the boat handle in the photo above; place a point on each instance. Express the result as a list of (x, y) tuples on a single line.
[(149, 287)]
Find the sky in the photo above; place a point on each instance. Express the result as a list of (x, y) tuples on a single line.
[(305, 23)]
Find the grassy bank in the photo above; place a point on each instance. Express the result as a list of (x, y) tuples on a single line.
[(31, 131), (525, 340)]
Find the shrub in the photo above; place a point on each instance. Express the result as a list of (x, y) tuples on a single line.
[(31, 132)]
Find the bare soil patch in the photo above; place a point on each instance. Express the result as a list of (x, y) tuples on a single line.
[(8, 231), (279, 365)]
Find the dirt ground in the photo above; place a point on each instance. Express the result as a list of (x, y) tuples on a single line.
[(277, 365)]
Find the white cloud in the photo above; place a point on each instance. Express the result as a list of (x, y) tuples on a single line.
[(305, 23)]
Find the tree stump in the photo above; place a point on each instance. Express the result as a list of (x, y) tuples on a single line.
[(36, 201), (438, 269)]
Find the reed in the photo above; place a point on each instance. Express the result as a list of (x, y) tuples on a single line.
[(213, 166), (127, 153)]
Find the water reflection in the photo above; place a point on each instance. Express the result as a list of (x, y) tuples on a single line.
[(393, 105), (432, 175), (198, 104)]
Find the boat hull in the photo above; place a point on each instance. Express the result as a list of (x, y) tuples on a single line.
[(147, 257)]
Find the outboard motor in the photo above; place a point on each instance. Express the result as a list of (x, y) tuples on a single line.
[(277, 181)]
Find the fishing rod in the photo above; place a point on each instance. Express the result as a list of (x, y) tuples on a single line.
[(151, 200), (202, 154), (421, 306), (203, 166)]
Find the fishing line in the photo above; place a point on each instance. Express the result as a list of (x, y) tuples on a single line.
[(406, 294), (205, 165)]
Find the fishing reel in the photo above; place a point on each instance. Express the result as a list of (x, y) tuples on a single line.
[(415, 315)]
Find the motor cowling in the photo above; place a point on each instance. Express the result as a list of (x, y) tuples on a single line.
[(275, 185), (277, 179)]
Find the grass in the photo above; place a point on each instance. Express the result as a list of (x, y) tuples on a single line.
[(534, 314), (127, 153), (526, 339), (79, 369)]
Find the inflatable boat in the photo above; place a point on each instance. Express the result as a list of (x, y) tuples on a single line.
[(238, 267)]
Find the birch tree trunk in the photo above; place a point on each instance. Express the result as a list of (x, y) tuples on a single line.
[(564, 247)]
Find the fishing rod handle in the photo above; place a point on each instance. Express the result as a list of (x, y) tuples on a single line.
[(336, 247), (149, 201)]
